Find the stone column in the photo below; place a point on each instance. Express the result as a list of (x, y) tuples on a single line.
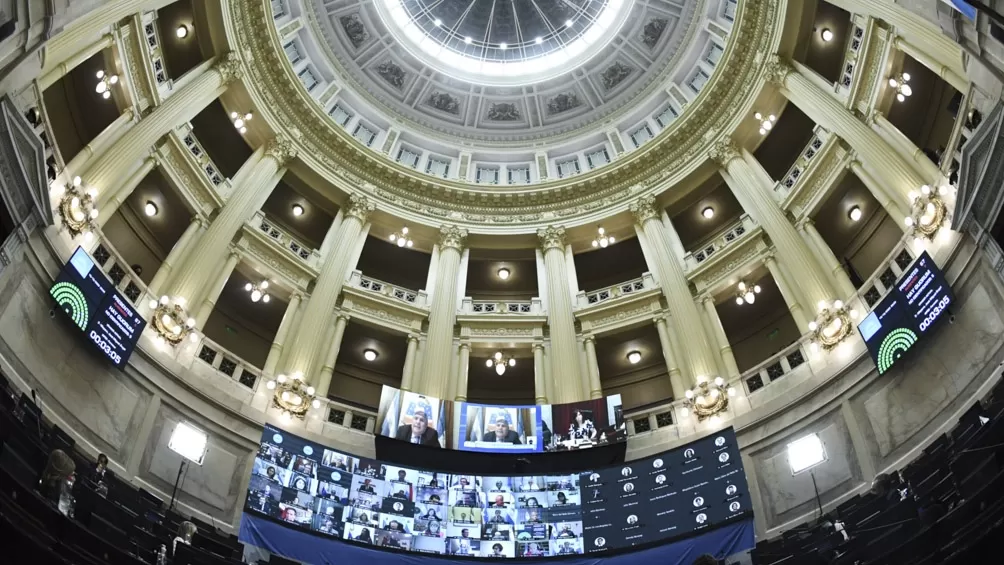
[(723, 340), (751, 187), (177, 254), (463, 371), (784, 285), (695, 353), (796, 84), (330, 236), (331, 355), (915, 155), (408, 374), (565, 372), (539, 388), (216, 288), (63, 68), (434, 380), (280, 336), (100, 143), (123, 191), (958, 82), (592, 367), (669, 354), (181, 107), (895, 207), (309, 335), (842, 283), (263, 171)]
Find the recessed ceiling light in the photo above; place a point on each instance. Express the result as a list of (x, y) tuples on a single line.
[(468, 40), (150, 209), (503, 46), (504, 273), (437, 22), (854, 213), (568, 23), (182, 31), (827, 35), (297, 210), (708, 212), (539, 40), (370, 355), (634, 357)]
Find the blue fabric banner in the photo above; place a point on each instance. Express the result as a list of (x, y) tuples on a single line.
[(301, 546)]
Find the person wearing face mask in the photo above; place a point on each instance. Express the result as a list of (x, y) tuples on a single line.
[(419, 431)]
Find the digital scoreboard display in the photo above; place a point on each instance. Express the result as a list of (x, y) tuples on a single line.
[(314, 490), (90, 300), (919, 299)]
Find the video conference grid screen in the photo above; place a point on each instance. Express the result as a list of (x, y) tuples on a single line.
[(312, 488), (920, 298), (500, 428), (108, 320)]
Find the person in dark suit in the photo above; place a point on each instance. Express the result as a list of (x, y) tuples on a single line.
[(419, 431), (502, 433)]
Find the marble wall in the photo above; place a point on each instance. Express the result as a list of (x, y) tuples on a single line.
[(867, 423)]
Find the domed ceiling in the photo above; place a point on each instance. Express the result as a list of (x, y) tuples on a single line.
[(495, 72)]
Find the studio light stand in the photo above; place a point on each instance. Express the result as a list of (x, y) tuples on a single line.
[(191, 443)]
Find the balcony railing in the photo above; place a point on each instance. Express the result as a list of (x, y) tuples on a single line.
[(120, 272), (718, 242), (649, 418), (286, 241), (347, 416), (226, 363), (884, 278), (153, 48), (206, 165), (586, 299), (525, 307), (780, 364), (966, 122), (811, 150), (413, 297), (853, 48)]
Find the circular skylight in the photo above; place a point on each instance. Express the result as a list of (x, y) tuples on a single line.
[(504, 42)]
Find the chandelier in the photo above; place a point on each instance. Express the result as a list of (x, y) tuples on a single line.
[(708, 399), (602, 239), (258, 291), (928, 211), (766, 122), (241, 120), (832, 324), (77, 207), (746, 294), (401, 238), (500, 362), (903, 89), (105, 83), (171, 321), (292, 395)]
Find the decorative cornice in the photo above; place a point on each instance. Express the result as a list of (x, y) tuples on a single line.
[(359, 207), (281, 149), (230, 68), (724, 151), (644, 209), (552, 237), (452, 237), (776, 70)]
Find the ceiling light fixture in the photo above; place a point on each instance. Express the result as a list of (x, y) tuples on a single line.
[(258, 291), (503, 46), (504, 273), (827, 35), (766, 123), (708, 213), (150, 208), (745, 293), (370, 354), (240, 121), (297, 210), (182, 31), (602, 239), (903, 90), (105, 83), (634, 357), (539, 40), (854, 213), (568, 23), (437, 22), (468, 40), (402, 239), (500, 362)]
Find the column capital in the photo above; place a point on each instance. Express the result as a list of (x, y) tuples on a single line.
[(201, 220), (281, 149), (552, 237), (230, 68), (465, 345), (538, 346), (452, 237), (706, 297), (296, 295), (236, 253), (777, 69), (359, 207), (413, 338), (724, 151), (804, 223), (660, 318), (344, 316), (589, 338), (644, 209)]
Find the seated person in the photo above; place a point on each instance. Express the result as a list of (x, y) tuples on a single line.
[(502, 433), (419, 431)]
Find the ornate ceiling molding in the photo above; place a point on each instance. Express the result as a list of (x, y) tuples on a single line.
[(284, 104)]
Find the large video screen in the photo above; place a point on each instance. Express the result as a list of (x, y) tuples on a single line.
[(500, 428), (108, 320), (309, 487), (919, 299)]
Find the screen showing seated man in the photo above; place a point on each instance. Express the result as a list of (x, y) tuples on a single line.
[(566, 547), (328, 517), (415, 418), (362, 516), (393, 539), (499, 429), (497, 532), (463, 546), (263, 496)]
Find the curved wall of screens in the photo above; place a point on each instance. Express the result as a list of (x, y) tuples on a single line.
[(317, 492)]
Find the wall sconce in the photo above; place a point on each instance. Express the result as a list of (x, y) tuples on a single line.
[(171, 321), (832, 324), (182, 31), (708, 399), (927, 211)]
